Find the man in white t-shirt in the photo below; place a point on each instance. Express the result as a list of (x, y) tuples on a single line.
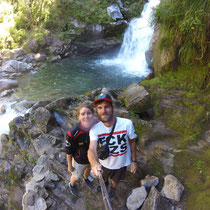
[(122, 144)]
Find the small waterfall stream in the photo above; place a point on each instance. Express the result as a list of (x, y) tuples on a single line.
[(79, 75), (136, 41)]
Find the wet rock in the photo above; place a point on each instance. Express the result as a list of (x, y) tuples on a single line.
[(28, 104), (7, 92), (2, 109), (6, 84), (172, 188), (55, 58), (114, 12), (155, 201), (4, 138), (149, 58), (29, 58), (18, 55), (136, 199), (57, 47), (13, 66), (40, 104)]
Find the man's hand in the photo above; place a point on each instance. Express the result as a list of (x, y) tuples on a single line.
[(95, 169), (133, 167), (70, 169)]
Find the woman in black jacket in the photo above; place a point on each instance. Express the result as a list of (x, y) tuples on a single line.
[(77, 144)]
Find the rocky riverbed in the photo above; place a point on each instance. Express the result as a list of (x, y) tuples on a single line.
[(34, 169)]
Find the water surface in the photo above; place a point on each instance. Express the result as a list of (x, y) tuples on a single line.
[(74, 76)]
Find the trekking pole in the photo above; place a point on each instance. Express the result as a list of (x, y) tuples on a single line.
[(104, 192)]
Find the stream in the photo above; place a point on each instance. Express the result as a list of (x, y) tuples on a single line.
[(115, 69)]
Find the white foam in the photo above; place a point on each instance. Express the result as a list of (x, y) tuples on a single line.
[(131, 57)]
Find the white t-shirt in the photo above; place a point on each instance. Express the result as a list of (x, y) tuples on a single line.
[(119, 147)]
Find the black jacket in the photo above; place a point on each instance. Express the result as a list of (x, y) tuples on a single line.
[(77, 143)]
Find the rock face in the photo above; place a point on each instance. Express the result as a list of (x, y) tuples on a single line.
[(6, 84), (162, 59), (42, 176), (15, 66), (136, 199), (33, 159), (172, 188), (136, 98), (155, 201), (114, 12)]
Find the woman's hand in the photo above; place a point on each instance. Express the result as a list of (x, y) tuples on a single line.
[(70, 168)]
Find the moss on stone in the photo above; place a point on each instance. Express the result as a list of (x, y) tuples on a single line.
[(187, 111), (194, 172)]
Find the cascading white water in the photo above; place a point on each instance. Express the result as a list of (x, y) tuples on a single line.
[(9, 115), (136, 41), (131, 60)]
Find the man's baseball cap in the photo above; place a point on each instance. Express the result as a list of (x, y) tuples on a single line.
[(102, 97)]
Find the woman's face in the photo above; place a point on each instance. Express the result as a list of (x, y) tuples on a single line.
[(86, 117)]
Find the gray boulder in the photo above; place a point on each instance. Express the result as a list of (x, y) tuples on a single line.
[(155, 201), (43, 145), (6, 84), (57, 47), (136, 199), (150, 181), (136, 98), (172, 188), (42, 118), (114, 12), (55, 58), (2, 109), (7, 92), (13, 66)]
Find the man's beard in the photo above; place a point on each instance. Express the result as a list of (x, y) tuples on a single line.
[(108, 120)]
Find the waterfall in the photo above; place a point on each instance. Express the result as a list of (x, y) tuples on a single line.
[(131, 57), (9, 115)]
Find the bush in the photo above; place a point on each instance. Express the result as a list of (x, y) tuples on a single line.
[(184, 22)]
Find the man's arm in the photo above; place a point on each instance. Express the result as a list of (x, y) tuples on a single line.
[(93, 158), (132, 143)]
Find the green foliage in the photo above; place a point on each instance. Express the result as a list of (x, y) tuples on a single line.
[(187, 113), (31, 13), (200, 166), (193, 169), (185, 22), (32, 17), (135, 8), (89, 12)]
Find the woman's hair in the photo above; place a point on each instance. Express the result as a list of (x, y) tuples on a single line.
[(85, 104)]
